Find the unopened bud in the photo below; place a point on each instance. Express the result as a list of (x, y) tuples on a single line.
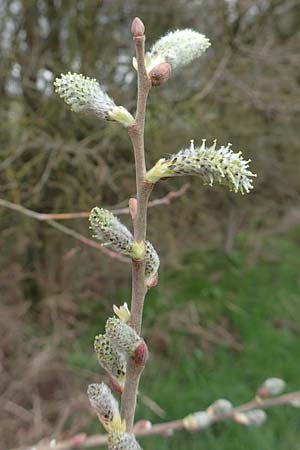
[(133, 207), (152, 281), (271, 387), (142, 425), (255, 417), (295, 401), (78, 439), (137, 27), (197, 421), (160, 74), (220, 407), (141, 354)]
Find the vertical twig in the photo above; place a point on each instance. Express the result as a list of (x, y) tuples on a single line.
[(136, 133)]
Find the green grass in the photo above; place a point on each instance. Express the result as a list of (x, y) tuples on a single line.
[(259, 303)]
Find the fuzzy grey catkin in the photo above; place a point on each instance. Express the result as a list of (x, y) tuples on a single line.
[(220, 407), (151, 261), (84, 94), (179, 48), (254, 417), (123, 441), (109, 230), (110, 358), (274, 386), (122, 335), (197, 421), (106, 406)]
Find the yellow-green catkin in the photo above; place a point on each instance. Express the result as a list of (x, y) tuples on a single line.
[(213, 165)]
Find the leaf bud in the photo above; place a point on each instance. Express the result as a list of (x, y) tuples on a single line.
[(137, 27), (220, 407), (197, 421), (271, 387), (160, 74), (255, 417)]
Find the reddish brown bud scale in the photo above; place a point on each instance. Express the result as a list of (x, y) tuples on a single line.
[(78, 439), (142, 425), (141, 354), (133, 207), (137, 27), (160, 74), (153, 282), (263, 392)]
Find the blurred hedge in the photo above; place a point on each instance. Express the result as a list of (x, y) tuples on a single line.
[(245, 90)]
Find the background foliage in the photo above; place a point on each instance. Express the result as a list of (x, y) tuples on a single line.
[(229, 289)]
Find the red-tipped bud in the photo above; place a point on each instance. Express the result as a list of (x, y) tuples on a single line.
[(140, 354), (160, 74), (152, 282), (137, 27), (133, 207), (271, 386), (142, 425), (263, 392), (78, 439)]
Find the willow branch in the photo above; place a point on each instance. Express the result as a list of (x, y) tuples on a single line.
[(63, 229), (166, 428), (143, 189), (52, 219), (166, 200)]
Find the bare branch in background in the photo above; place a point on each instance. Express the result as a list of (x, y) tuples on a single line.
[(53, 217), (166, 200), (145, 428), (64, 229)]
